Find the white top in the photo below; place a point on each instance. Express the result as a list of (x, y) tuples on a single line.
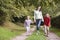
[(38, 15)]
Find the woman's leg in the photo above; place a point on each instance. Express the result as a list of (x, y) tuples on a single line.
[(38, 23)]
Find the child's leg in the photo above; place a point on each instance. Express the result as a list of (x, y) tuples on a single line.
[(48, 29), (27, 29), (45, 29)]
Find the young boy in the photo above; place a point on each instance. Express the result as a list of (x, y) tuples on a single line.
[(27, 24), (47, 21)]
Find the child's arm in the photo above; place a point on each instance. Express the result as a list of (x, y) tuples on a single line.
[(32, 21), (50, 22)]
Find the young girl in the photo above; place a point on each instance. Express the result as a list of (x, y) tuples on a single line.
[(47, 21), (27, 24)]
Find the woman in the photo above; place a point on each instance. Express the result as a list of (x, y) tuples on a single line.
[(38, 18)]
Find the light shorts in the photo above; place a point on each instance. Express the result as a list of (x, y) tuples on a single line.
[(28, 29)]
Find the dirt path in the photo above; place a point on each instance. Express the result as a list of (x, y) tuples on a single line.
[(52, 36), (24, 35)]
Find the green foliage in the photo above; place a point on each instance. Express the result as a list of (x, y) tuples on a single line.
[(10, 31), (19, 8), (2, 17), (55, 22)]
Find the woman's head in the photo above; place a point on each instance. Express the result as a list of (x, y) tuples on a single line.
[(39, 8)]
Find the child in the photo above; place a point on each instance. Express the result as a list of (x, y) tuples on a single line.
[(27, 24), (47, 23)]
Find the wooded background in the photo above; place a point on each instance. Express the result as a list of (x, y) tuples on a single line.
[(16, 10)]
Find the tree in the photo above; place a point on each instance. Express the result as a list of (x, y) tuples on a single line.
[(20, 8)]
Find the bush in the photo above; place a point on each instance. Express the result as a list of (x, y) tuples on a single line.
[(19, 19), (56, 21), (2, 17)]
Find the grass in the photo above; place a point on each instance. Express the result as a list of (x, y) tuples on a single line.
[(34, 36), (56, 31), (7, 33)]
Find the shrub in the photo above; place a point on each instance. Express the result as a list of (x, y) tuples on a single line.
[(56, 21), (2, 17)]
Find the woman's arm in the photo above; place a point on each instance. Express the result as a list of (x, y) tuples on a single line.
[(42, 17)]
